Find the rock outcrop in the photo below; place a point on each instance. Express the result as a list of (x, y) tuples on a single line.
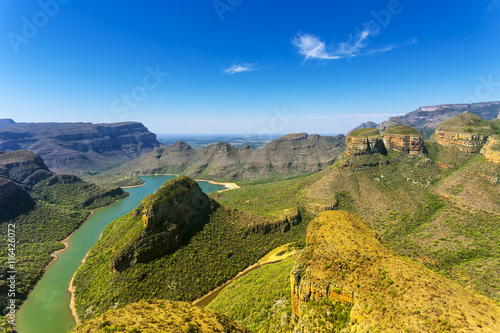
[(491, 150), (23, 166), (404, 139), (466, 132), (163, 220), (74, 147), (398, 137), (364, 141), (345, 272), (290, 155)]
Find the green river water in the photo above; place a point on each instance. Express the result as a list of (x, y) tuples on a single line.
[(47, 308)]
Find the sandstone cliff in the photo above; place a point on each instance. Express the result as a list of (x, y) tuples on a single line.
[(345, 272), (75, 147), (162, 220), (491, 149), (404, 139), (466, 132), (398, 137), (364, 141)]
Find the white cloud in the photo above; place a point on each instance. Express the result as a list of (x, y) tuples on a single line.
[(240, 68), (312, 47)]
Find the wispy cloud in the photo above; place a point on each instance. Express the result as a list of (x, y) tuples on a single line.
[(312, 47), (240, 68)]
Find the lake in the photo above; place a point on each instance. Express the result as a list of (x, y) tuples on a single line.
[(47, 308)]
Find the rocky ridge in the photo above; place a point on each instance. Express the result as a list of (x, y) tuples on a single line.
[(345, 265), (78, 147), (291, 155), (167, 216)]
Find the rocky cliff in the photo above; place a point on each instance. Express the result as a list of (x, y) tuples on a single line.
[(398, 137), (162, 220), (346, 277), (291, 155), (466, 132), (76, 147), (491, 150), (404, 139), (364, 141)]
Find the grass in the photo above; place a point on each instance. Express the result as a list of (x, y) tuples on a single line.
[(365, 133), (260, 301), (160, 316), (390, 293), (401, 130)]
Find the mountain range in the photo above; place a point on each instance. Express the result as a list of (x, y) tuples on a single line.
[(78, 147)]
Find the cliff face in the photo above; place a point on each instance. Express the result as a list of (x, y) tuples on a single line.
[(398, 137), (466, 132), (162, 220), (466, 142), (345, 272), (491, 149), (291, 155), (411, 144), (360, 146), (72, 147)]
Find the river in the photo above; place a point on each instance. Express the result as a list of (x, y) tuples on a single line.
[(47, 308)]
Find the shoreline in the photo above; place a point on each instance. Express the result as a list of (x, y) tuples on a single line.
[(229, 186), (56, 253), (71, 287)]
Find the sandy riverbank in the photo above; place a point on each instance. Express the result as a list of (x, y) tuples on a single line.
[(229, 186)]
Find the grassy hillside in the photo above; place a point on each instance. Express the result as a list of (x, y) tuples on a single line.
[(365, 132), (344, 262), (154, 316), (444, 214), (260, 301)]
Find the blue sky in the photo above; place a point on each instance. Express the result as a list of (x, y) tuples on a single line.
[(241, 66)]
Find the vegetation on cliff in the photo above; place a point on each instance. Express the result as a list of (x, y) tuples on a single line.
[(344, 262)]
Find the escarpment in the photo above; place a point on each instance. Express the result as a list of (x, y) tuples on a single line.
[(76, 147), (162, 220), (346, 273), (466, 132)]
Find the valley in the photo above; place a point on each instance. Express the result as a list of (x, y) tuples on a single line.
[(375, 216)]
